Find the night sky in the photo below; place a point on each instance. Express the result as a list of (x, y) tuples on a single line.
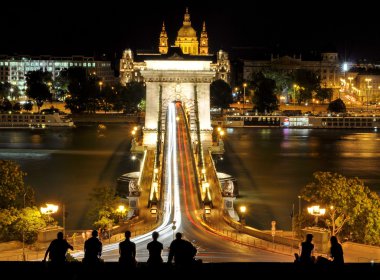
[(86, 28)]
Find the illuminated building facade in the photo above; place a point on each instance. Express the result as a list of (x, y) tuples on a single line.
[(187, 41), (14, 68), (182, 72), (328, 67)]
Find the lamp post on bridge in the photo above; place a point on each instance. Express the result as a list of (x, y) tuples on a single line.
[(243, 210)]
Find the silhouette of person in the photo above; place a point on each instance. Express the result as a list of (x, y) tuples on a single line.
[(127, 252), (307, 250), (57, 249), (92, 249), (336, 251), (155, 249), (182, 251)]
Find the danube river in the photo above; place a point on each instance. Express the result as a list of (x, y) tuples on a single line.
[(270, 165)]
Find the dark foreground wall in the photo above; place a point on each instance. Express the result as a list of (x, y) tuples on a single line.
[(233, 271)]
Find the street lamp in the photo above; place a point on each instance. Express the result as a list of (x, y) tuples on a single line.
[(295, 86), (100, 85), (221, 133), (299, 206), (243, 209), (316, 211), (332, 216), (121, 210), (244, 86), (235, 94), (203, 171), (368, 80), (49, 209), (350, 84)]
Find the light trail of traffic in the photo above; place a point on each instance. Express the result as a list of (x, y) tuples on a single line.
[(171, 209)]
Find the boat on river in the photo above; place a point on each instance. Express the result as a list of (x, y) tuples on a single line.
[(356, 122), (40, 120)]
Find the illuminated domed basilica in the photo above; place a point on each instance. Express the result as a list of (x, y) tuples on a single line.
[(187, 46), (180, 72), (187, 39)]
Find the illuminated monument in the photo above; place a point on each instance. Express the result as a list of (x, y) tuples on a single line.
[(182, 72)]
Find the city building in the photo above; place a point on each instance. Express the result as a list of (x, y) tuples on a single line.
[(14, 68), (189, 46), (187, 38), (327, 67)]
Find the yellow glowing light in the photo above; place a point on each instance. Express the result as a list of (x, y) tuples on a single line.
[(316, 210), (178, 65), (49, 209), (121, 209)]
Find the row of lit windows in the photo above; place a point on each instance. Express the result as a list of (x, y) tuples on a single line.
[(20, 117), (42, 64)]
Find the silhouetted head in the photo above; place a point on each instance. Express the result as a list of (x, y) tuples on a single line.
[(127, 234), (333, 240), (60, 235), (155, 235), (178, 235), (309, 237), (94, 233)]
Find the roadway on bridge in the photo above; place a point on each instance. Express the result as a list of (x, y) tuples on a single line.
[(181, 204)]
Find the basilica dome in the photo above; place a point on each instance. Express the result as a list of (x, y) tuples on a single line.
[(187, 31)]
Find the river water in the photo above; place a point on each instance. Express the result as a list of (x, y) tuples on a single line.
[(270, 165)]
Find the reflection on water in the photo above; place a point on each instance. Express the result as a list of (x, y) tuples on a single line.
[(271, 165), (65, 165)]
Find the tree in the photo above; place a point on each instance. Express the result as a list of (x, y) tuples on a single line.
[(5, 105), (351, 206), (282, 79), (264, 98), (324, 93), (17, 107), (31, 221), (83, 90), (119, 97), (103, 207), (28, 106), (11, 183), (7, 90), (17, 211), (220, 94), (14, 222), (37, 86), (7, 219), (107, 98), (308, 82), (337, 106), (134, 93)]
